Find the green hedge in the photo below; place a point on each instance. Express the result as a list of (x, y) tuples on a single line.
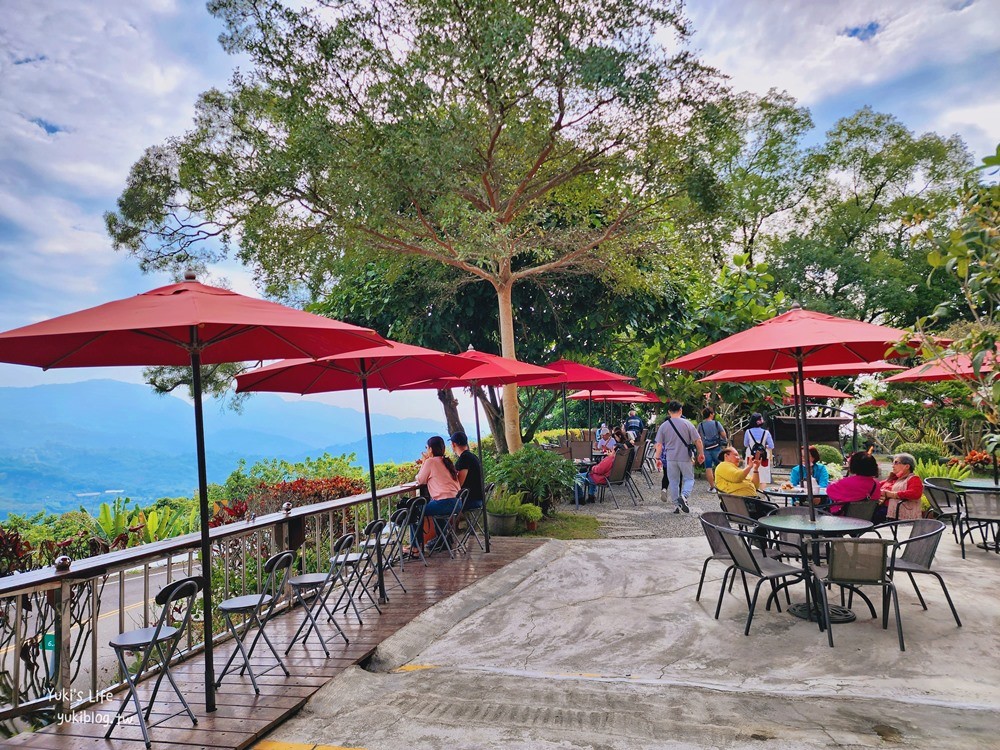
[(829, 455), (920, 451)]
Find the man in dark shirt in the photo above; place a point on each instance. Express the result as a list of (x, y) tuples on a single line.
[(470, 471)]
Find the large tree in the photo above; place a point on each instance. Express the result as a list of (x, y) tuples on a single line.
[(507, 139), (851, 251)]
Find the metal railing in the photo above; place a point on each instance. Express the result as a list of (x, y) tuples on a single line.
[(55, 626)]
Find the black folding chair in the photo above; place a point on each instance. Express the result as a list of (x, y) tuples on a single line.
[(250, 607), (175, 600), (445, 529), (315, 585), (392, 544), (474, 520), (362, 567)]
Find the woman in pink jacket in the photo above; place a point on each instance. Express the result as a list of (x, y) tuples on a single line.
[(861, 483)]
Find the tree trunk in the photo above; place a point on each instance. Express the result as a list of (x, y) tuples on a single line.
[(450, 404), (494, 415), (511, 409)]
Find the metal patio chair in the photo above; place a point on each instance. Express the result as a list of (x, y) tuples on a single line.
[(256, 610), (944, 501), (316, 584), (175, 600), (618, 477), (445, 529), (362, 567), (979, 510), (710, 521)]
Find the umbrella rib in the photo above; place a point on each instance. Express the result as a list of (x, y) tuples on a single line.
[(67, 355)]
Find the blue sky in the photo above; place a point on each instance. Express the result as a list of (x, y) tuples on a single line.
[(86, 86)]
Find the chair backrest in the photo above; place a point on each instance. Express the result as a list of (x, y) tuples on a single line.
[(342, 547), (712, 520), (581, 449), (738, 544), (922, 544), (734, 504), (942, 499), (620, 467), (945, 483), (863, 509), (175, 600), (640, 454), (981, 506), (277, 568), (564, 451), (857, 560)]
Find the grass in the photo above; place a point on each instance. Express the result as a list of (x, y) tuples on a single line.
[(566, 526)]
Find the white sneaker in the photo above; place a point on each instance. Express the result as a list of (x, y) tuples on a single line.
[(713, 490), (665, 496)]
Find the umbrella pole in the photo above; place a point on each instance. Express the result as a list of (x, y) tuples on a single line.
[(996, 471), (590, 416), (371, 478), (482, 474), (565, 416), (206, 542), (801, 408)]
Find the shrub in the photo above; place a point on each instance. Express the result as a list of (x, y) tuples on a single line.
[(529, 512), (835, 470), (920, 451), (504, 502), (926, 469), (829, 455), (544, 477)]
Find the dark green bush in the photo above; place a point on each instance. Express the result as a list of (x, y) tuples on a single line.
[(545, 478), (829, 455), (920, 451)]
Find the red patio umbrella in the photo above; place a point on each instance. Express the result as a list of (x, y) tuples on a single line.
[(491, 370), (812, 389), (812, 371), (183, 324), (793, 340), (638, 396), (952, 367), (385, 367), (581, 376)]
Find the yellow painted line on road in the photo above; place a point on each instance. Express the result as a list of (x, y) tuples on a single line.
[(414, 667), (113, 613)]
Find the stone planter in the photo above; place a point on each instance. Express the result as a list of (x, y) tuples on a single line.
[(505, 525)]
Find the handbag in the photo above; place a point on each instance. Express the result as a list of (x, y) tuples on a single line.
[(692, 448)]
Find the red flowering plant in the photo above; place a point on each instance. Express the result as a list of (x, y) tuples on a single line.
[(976, 460), (269, 498)]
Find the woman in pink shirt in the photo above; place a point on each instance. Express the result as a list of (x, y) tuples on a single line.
[(439, 474), (861, 482)]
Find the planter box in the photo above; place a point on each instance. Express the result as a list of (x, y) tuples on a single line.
[(505, 525)]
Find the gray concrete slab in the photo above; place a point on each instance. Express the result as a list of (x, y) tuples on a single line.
[(600, 644)]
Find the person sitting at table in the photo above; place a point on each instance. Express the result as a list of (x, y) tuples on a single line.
[(439, 474), (606, 442), (901, 491), (585, 488), (730, 479), (621, 438), (861, 483), (820, 474)]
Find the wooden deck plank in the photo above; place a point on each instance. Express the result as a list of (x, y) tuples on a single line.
[(243, 717)]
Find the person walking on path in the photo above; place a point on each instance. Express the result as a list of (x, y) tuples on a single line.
[(678, 444), (714, 437), (759, 444)]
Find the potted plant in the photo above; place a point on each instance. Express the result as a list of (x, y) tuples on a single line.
[(502, 509), (531, 514), (545, 478)]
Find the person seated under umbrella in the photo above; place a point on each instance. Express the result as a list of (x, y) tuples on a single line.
[(441, 477), (732, 480), (820, 474)]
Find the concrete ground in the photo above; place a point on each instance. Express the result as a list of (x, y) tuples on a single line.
[(601, 644)]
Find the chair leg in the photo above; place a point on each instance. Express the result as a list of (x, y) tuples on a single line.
[(239, 648), (920, 597), (824, 613), (133, 695), (946, 596), (165, 670), (753, 605), (311, 620), (701, 581), (722, 589), (899, 620)]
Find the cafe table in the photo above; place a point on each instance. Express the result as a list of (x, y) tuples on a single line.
[(824, 526), (793, 494)]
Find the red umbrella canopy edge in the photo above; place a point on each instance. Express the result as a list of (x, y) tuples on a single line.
[(154, 328), (954, 367), (814, 371), (818, 390), (775, 343), (494, 370), (580, 376)]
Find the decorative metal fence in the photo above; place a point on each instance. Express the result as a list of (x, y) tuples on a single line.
[(55, 626)]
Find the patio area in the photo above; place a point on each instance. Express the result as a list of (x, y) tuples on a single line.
[(601, 644)]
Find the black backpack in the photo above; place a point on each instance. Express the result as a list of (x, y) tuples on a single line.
[(757, 446)]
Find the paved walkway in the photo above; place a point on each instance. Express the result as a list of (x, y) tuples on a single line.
[(600, 644)]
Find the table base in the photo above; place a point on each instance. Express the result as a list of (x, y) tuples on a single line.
[(989, 546), (810, 611)]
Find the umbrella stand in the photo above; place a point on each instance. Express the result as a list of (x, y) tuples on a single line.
[(482, 473), (206, 542), (801, 409), (371, 478)]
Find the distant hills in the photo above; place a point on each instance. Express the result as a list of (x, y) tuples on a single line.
[(66, 445)]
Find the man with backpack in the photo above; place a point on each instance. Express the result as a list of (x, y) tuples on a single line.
[(678, 444), (714, 437)]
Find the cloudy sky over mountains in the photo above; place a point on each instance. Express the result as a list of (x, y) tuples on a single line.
[(86, 86)]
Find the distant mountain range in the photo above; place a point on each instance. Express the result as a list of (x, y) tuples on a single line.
[(66, 445)]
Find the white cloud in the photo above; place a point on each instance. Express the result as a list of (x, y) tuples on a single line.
[(804, 47)]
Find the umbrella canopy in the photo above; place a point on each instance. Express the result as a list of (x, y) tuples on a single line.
[(812, 389), (793, 340), (384, 367), (637, 396), (814, 371), (579, 376), (155, 328), (954, 367), (183, 324), (798, 335)]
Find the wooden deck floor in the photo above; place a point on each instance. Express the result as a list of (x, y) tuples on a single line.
[(242, 717)]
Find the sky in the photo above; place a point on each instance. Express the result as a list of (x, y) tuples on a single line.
[(85, 87)]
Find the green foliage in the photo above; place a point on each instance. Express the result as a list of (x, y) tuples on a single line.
[(829, 455), (933, 468), (920, 451), (504, 501), (544, 477), (529, 512), (835, 470)]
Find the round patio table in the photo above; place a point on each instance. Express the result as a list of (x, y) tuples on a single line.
[(823, 526), (793, 494)]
